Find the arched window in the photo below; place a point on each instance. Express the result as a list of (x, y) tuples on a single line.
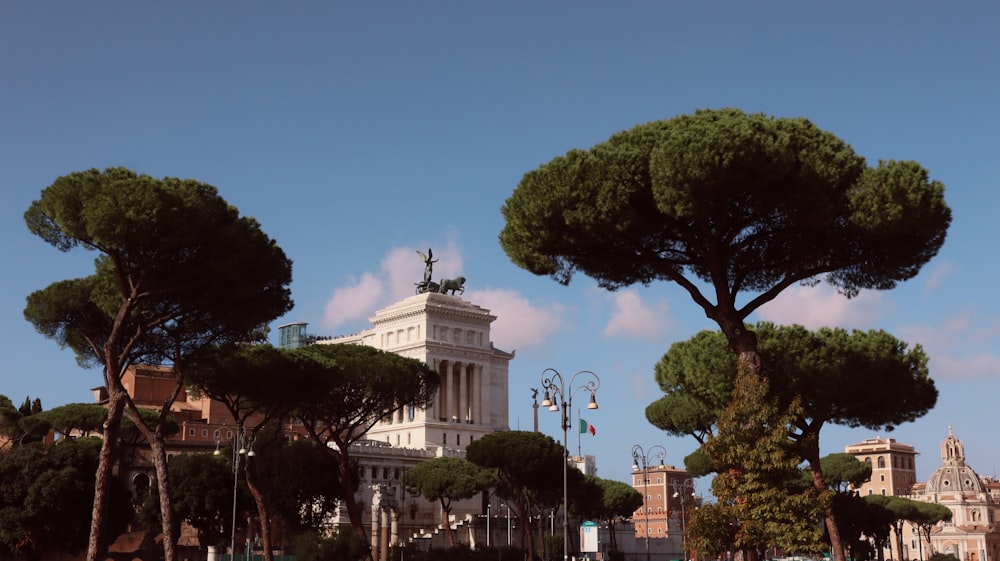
[(881, 462)]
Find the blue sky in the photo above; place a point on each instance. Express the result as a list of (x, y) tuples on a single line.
[(360, 132)]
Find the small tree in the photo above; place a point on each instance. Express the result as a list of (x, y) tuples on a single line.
[(301, 483), (355, 387), (202, 496), (819, 368), (526, 463), (445, 480), (609, 502), (243, 378), (757, 465), (926, 516)]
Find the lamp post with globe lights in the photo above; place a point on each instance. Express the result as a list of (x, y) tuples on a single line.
[(559, 397), (683, 492), (641, 460), (242, 445)]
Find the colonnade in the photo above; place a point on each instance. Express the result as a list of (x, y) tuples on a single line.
[(460, 397)]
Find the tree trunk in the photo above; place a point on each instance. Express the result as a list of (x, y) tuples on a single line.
[(262, 512), (353, 509), (446, 521), (168, 525), (524, 525), (810, 449), (833, 531), (97, 544)]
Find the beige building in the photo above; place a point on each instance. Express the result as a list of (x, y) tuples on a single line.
[(893, 465), (453, 337), (972, 534)]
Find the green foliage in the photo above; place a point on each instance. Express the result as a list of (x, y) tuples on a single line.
[(843, 472), (529, 467), (24, 424), (177, 263), (76, 418), (201, 494), (861, 522), (938, 556), (177, 269), (604, 500), (300, 481), (446, 479), (46, 494), (819, 370), (356, 385), (821, 367), (341, 546), (743, 202), (756, 460)]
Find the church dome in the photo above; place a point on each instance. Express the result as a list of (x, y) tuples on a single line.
[(954, 475)]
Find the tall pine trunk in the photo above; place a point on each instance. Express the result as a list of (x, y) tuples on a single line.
[(97, 544), (168, 526), (263, 512), (347, 489)]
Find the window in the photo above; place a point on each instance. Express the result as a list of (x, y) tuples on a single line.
[(191, 432), (444, 439), (204, 432), (882, 477), (881, 462)]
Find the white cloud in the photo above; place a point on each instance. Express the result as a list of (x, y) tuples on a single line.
[(398, 272), (822, 306), (972, 367), (519, 323), (634, 318), (354, 302), (959, 346), (938, 275)]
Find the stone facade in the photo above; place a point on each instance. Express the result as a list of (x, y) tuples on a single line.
[(668, 498), (972, 534), (452, 336), (893, 464)]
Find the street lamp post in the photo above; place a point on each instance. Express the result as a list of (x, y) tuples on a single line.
[(242, 444), (683, 491), (641, 459), (559, 397)]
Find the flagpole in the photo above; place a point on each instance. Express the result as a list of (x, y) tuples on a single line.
[(578, 433)]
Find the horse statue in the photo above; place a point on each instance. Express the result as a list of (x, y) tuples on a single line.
[(455, 284)]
